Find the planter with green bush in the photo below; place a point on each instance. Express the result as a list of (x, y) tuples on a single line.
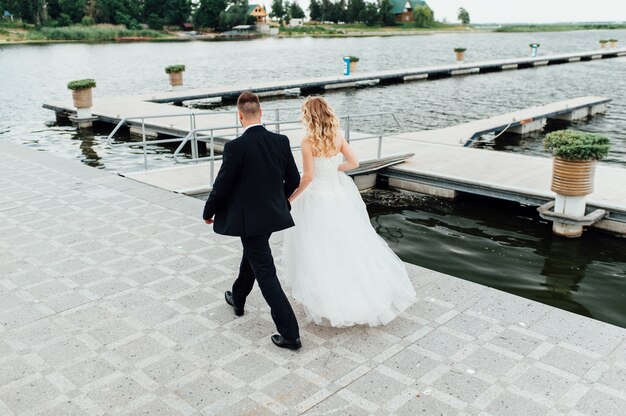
[(176, 75), (603, 43), (81, 92), (575, 155), (460, 54), (613, 43)]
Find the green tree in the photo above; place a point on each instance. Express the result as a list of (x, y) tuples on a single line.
[(340, 11), (295, 11), (166, 12), (385, 13), (208, 13), (423, 16), (315, 10), (370, 14), (30, 11), (326, 10), (355, 11), (236, 14), (278, 10), (464, 16), (66, 12), (119, 12)]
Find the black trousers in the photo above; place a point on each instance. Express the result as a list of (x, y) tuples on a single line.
[(257, 262)]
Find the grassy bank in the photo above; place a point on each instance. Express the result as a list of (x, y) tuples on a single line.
[(359, 29), (557, 27), (95, 33)]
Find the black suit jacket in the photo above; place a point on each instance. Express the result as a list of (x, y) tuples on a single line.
[(250, 192)]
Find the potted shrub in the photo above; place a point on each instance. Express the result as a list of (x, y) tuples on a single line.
[(353, 61), (603, 43), (575, 154), (613, 43), (176, 75), (81, 92), (460, 54)]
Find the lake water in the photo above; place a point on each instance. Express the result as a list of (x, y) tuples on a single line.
[(504, 247)]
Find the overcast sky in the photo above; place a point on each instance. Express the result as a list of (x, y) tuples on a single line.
[(523, 11)]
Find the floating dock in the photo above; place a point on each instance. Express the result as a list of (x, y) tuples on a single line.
[(519, 122), (114, 109)]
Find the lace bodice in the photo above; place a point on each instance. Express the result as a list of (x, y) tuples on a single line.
[(326, 177), (326, 166)]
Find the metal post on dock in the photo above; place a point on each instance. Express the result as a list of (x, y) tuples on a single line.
[(212, 153), (380, 137), (194, 140), (277, 111), (347, 128), (143, 139)]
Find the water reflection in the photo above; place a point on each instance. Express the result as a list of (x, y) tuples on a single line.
[(516, 252), (564, 268)]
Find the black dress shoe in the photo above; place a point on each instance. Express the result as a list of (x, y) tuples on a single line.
[(281, 342), (228, 295)]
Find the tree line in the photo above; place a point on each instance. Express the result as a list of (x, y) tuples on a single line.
[(217, 14), (361, 11), (131, 13)]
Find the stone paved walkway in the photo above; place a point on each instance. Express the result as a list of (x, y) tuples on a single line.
[(111, 303)]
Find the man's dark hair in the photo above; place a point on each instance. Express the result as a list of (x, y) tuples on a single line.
[(248, 104)]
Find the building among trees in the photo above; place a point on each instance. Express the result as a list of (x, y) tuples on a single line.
[(403, 9), (258, 12)]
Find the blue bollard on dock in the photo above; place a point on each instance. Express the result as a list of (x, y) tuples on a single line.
[(346, 60)]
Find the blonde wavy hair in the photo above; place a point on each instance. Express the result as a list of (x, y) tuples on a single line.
[(322, 126)]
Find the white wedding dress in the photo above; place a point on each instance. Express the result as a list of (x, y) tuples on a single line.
[(335, 264)]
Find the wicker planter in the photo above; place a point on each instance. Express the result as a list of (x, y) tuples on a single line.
[(176, 79), (460, 56), (573, 177), (82, 98), (353, 66), (613, 43)]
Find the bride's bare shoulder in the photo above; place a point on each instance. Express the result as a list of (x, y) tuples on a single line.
[(306, 143)]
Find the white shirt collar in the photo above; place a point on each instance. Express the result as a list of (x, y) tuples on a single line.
[(252, 125)]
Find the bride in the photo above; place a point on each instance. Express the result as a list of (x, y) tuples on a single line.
[(336, 265)]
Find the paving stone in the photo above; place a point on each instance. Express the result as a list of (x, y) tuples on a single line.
[(488, 362), (116, 395), (597, 402), (377, 387), (569, 360), (25, 396), (511, 404), (544, 383)]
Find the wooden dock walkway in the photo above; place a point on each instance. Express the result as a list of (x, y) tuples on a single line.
[(521, 121), (443, 167), (509, 176)]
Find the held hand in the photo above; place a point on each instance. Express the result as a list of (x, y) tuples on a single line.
[(209, 221)]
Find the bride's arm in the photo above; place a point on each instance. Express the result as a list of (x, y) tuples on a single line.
[(307, 166), (351, 160)]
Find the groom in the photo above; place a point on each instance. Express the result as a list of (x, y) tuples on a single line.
[(249, 200)]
